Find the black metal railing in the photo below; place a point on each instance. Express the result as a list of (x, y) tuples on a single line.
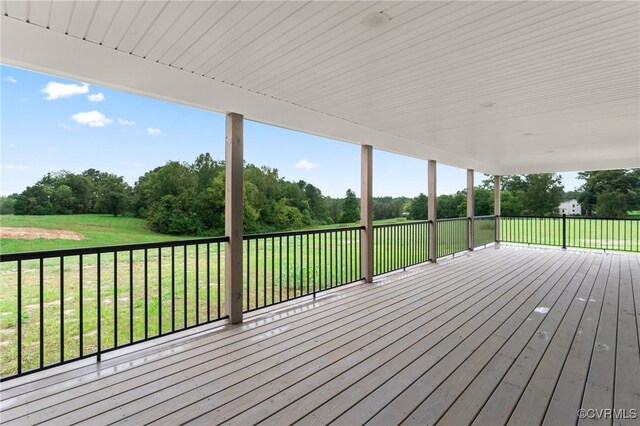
[(617, 234), (484, 230), (287, 265), (64, 305), (452, 236), (400, 245)]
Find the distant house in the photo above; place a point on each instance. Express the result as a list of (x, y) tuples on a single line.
[(570, 207)]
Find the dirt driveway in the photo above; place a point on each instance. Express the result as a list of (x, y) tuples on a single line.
[(35, 233)]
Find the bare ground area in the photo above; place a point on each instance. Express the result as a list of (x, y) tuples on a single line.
[(34, 233)]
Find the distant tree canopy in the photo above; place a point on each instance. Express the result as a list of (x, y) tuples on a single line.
[(350, 208), (390, 207), (188, 198), (7, 204), (418, 207), (182, 198), (535, 194), (610, 193), (64, 192)]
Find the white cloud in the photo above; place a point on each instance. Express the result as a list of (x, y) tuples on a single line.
[(96, 97), (10, 80), (306, 165), (23, 100), (60, 90), (91, 119), (124, 122), (152, 131), (12, 167)]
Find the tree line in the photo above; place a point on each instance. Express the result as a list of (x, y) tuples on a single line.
[(606, 193), (188, 198)]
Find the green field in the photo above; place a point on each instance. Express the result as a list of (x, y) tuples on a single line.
[(275, 269)]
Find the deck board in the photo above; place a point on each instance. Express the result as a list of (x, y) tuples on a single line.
[(391, 401), (627, 375), (599, 389), (541, 288), (507, 394), (342, 375), (481, 369), (450, 343)]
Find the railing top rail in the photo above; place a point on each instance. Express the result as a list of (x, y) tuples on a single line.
[(485, 217), (45, 254), (602, 218), (412, 222), (453, 219), (530, 217), (296, 233), (570, 217)]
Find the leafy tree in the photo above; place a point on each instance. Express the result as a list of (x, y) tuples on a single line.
[(114, 195), (611, 204), (511, 203), (449, 205), (542, 194), (253, 200), (171, 215), (533, 194), (514, 183), (350, 211), (318, 207), (482, 201), (206, 169), (624, 181), (36, 199), (63, 199), (390, 207), (174, 178), (418, 207), (7, 204), (335, 207), (286, 216)]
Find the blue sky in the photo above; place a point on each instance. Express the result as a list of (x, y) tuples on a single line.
[(50, 123)]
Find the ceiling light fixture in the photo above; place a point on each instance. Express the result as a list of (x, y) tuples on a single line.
[(375, 19)]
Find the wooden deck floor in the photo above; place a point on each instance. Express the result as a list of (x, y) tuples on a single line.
[(508, 335)]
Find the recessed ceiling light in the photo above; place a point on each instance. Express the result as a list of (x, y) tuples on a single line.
[(487, 105), (375, 19)]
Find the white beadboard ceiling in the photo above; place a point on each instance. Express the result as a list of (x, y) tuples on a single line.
[(502, 87)]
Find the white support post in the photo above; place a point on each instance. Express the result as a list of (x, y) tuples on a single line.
[(233, 217), (496, 205), (432, 213), (470, 209), (366, 212)]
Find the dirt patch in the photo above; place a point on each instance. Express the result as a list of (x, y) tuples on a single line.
[(35, 233)]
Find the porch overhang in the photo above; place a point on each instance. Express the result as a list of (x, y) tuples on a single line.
[(499, 87)]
